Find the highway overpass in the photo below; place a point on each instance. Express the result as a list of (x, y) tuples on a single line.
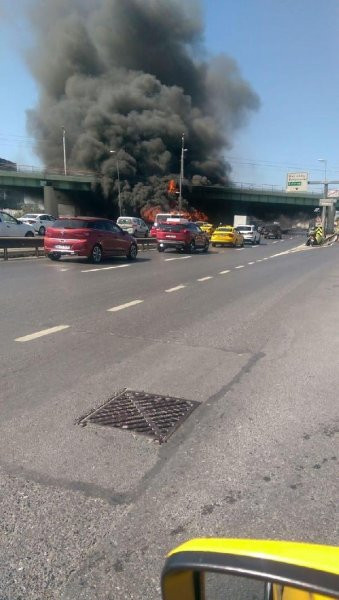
[(77, 192)]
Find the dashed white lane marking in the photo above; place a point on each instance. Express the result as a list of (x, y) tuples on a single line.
[(266, 258), (105, 268), (204, 279), (63, 270), (251, 263), (175, 289), (123, 306), (260, 260), (276, 242), (42, 333), (240, 267), (224, 272), (177, 258), (239, 249)]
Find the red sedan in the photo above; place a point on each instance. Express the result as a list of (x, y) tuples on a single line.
[(91, 237)]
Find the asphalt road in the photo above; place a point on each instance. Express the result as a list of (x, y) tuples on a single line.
[(252, 335)]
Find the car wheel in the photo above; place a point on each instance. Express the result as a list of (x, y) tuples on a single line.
[(213, 245), (42, 230), (259, 241), (29, 234), (206, 247), (161, 249), (146, 234), (96, 254), (132, 252), (191, 247), (54, 256)]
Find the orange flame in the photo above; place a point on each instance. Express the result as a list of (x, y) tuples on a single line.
[(172, 187)]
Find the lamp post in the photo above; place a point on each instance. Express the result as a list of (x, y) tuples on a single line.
[(118, 173), (64, 148), (183, 150), (323, 216)]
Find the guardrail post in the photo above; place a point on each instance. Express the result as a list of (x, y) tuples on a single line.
[(37, 251), (5, 254)]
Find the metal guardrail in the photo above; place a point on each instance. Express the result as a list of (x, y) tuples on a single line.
[(11, 243), (7, 243)]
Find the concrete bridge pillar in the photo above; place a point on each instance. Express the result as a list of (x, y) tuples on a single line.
[(58, 203)]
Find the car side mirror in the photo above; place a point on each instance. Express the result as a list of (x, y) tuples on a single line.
[(214, 569)]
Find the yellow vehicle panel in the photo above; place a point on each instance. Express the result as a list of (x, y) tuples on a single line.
[(206, 227), (227, 235)]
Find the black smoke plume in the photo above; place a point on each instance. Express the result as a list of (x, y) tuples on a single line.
[(133, 76)]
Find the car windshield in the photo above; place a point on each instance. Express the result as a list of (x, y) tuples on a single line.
[(125, 221), (225, 229), (175, 227), (244, 228), (73, 224)]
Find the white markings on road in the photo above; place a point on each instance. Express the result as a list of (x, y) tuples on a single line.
[(204, 279), (123, 306), (239, 249), (42, 333), (260, 260), (63, 270), (177, 258), (266, 258), (276, 242), (240, 267), (105, 268), (251, 263), (224, 272), (175, 289)]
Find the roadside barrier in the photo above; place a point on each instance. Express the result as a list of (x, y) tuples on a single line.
[(17, 243)]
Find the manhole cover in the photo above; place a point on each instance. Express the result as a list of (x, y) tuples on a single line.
[(149, 414)]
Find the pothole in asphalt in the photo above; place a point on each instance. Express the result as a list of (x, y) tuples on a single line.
[(153, 415)]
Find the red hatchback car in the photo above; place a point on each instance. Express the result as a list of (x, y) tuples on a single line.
[(91, 237)]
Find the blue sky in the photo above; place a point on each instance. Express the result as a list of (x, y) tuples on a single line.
[(287, 49)]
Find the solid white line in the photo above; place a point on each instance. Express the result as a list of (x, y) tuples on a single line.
[(251, 263), (175, 289), (123, 306), (204, 279), (224, 272), (240, 267), (178, 258), (38, 334), (105, 268)]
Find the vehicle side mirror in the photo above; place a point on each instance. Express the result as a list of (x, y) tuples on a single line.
[(215, 569)]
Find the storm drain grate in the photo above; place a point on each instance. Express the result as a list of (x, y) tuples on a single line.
[(148, 414)]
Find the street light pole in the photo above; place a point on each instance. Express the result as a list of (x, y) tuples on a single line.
[(183, 150), (119, 188), (64, 148), (323, 216)]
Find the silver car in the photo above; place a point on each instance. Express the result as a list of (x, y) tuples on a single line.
[(250, 233), (134, 226)]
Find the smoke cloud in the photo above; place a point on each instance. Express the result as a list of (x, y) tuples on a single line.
[(133, 76)]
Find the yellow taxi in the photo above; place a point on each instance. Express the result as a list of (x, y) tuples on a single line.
[(206, 227), (226, 235)]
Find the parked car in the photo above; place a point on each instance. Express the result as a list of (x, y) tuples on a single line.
[(186, 237), (134, 226), (207, 227), (226, 235), (11, 227), (273, 232), (91, 237), (39, 221), (250, 233)]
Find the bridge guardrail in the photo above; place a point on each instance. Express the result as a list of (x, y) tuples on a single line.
[(11, 243)]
